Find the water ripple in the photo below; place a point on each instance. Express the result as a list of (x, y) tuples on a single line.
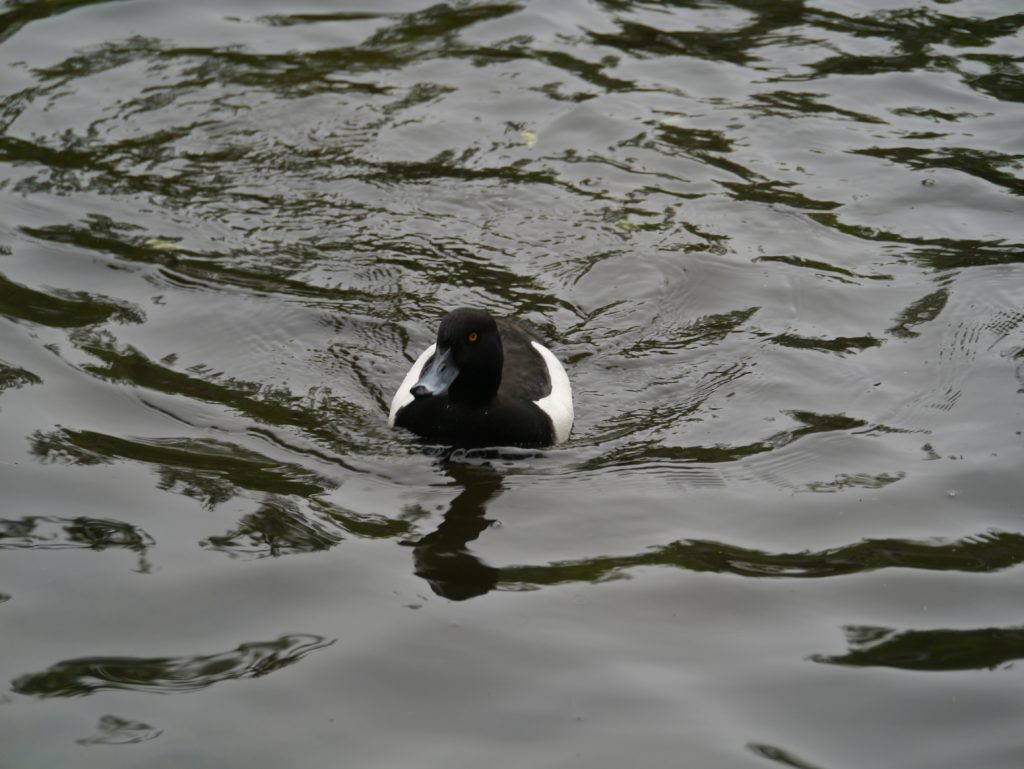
[(53, 533), (167, 675), (985, 553), (939, 650)]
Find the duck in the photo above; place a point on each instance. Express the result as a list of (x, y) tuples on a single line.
[(486, 381)]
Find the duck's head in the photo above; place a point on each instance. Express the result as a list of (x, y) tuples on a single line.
[(468, 359)]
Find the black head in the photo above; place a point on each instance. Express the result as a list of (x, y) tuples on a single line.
[(467, 363)]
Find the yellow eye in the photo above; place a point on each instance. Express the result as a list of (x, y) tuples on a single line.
[(472, 336)]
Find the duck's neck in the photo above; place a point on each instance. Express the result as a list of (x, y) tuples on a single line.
[(476, 386)]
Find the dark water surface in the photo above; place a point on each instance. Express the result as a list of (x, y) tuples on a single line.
[(780, 247)]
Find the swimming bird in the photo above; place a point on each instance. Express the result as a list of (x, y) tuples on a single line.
[(486, 381)]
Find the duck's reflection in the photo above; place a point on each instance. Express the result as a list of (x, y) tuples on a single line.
[(442, 557)]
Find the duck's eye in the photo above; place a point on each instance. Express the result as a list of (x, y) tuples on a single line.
[(472, 336)]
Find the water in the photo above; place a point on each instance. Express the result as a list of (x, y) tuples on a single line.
[(780, 247)]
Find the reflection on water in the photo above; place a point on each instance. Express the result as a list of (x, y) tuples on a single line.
[(18, 14), (278, 527), (12, 376), (63, 309), (990, 552), (54, 533), (167, 675), (291, 515), (114, 730), (781, 756), (442, 557), (930, 650), (208, 470)]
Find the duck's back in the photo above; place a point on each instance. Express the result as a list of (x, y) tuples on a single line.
[(525, 373)]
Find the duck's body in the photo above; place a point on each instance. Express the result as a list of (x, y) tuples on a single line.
[(485, 382)]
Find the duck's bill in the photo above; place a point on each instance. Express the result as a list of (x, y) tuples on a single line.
[(437, 376)]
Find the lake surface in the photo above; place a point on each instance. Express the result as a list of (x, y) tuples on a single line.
[(780, 248)]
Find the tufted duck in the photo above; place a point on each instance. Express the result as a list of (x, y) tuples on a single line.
[(485, 382)]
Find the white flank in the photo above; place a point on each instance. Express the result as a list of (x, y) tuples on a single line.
[(558, 404), (404, 397)]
